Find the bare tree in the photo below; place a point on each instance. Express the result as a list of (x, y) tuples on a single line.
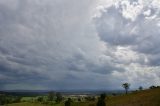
[(126, 87)]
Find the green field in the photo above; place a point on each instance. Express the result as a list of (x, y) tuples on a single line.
[(141, 98), (61, 104)]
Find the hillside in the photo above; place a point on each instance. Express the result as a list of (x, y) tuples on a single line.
[(149, 97), (141, 98)]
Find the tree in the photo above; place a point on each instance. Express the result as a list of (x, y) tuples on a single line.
[(59, 97), (40, 99), (17, 99), (140, 88), (126, 87), (3, 99), (90, 98), (51, 96), (101, 100), (68, 102), (152, 87)]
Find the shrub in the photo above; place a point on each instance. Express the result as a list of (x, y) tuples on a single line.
[(40, 99)]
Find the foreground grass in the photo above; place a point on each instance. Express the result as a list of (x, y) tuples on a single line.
[(25, 104), (140, 98)]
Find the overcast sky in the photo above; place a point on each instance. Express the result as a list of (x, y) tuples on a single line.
[(79, 44)]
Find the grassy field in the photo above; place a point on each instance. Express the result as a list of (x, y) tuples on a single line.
[(62, 104), (140, 98)]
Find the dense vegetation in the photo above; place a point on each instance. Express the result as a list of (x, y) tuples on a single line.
[(6, 99), (150, 97)]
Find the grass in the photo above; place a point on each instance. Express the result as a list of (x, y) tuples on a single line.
[(26, 99), (140, 98), (26, 104), (61, 104)]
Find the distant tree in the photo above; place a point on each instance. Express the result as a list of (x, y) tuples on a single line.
[(79, 99), (93, 98), (101, 100), (90, 98), (40, 99), (51, 96), (68, 102), (59, 97), (158, 86), (17, 99), (114, 94), (126, 87), (140, 88), (3, 99), (152, 87)]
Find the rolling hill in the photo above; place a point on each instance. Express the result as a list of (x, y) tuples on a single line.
[(149, 97)]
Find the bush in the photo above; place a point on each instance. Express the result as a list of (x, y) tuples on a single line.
[(59, 97), (90, 98), (152, 87), (5, 99), (40, 99), (51, 96)]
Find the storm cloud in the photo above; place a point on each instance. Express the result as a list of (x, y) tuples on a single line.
[(87, 44)]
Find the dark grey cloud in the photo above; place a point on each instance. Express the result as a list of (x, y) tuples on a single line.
[(42, 42), (58, 45)]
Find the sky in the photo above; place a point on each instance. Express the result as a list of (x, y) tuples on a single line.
[(85, 44)]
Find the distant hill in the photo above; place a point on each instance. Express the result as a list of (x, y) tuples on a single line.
[(24, 92), (149, 97)]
